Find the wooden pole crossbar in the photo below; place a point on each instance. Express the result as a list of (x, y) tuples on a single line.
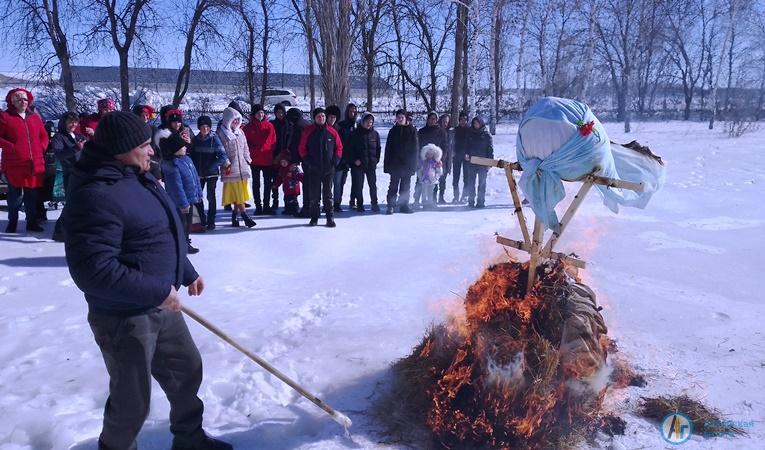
[(533, 244)]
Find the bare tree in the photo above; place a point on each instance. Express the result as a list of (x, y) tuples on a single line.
[(430, 27), (251, 36), (333, 19), (617, 28), (727, 41), (519, 71), (198, 29), (474, 28), (688, 28), (264, 50), (303, 12), (369, 15), (125, 23), (460, 35), (399, 60), (495, 62), (44, 34)]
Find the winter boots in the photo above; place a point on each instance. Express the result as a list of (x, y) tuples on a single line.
[(331, 222), (248, 222), (389, 210), (375, 207), (234, 218)]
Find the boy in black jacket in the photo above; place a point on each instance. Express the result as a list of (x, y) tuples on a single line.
[(364, 154)]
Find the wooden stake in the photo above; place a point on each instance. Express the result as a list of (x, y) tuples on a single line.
[(573, 207), (337, 416), (570, 260), (518, 204), (534, 260)]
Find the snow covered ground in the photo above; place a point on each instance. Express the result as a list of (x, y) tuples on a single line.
[(680, 282)]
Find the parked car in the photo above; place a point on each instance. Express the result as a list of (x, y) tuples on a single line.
[(284, 96)]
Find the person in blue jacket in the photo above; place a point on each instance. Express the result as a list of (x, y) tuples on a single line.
[(208, 155), (126, 251), (181, 179)]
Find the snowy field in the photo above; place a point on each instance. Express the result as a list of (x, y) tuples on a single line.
[(680, 282)]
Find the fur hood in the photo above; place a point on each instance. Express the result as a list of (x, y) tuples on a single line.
[(431, 148)]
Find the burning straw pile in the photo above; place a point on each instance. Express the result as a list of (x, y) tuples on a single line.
[(521, 371)]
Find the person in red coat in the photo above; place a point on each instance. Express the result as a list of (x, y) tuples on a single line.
[(320, 149), (89, 123), (289, 176), (23, 140), (261, 139)]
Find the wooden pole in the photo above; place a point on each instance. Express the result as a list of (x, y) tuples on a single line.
[(518, 205), (337, 416), (576, 262), (534, 260), (573, 207)]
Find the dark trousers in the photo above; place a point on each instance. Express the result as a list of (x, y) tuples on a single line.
[(269, 174), (15, 196), (441, 185), (157, 344), (209, 218), (459, 167), (187, 218), (417, 190), (357, 184), (338, 182), (398, 190), (475, 173), (320, 188), (307, 175)]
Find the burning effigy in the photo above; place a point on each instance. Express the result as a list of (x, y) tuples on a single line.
[(527, 367), (519, 370)]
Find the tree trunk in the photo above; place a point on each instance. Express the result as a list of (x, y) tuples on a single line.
[(590, 50), (68, 82), (266, 27), (728, 37), (521, 48), (400, 53), (459, 38), (333, 19), (310, 42), (124, 81), (465, 57)]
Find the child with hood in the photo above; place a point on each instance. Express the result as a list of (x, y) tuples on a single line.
[(236, 178), (181, 178), (429, 171), (289, 176)]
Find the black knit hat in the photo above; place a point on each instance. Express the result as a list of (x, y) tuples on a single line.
[(318, 111), (279, 107), (333, 110), (463, 115), (257, 107), (401, 111), (119, 132), (204, 120), (170, 143)]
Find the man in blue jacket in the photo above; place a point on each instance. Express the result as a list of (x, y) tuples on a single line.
[(126, 251)]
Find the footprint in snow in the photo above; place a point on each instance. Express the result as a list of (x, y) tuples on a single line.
[(721, 316)]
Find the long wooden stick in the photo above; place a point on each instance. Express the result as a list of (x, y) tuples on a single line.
[(539, 230), (337, 416), (518, 205), (576, 262), (572, 208)]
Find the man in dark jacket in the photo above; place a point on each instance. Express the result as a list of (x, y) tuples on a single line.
[(400, 161), (126, 251), (208, 155), (364, 154), (345, 129), (479, 144), (321, 149), (431, 133), (458, 161), (299, 124)]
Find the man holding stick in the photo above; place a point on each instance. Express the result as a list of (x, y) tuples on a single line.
[(126, 251)]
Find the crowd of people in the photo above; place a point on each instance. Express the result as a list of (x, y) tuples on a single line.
[(131, 189), (254, 157)]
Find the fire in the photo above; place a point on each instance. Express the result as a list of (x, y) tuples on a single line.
[(517, 370)]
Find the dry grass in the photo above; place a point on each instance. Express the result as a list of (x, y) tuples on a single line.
[(706, 421)]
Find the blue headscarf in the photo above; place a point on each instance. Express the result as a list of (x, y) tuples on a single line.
[(587, 151)]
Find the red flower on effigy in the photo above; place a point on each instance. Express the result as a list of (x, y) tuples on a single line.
[(586, 129)]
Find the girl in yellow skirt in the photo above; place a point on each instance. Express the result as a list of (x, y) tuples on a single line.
[(236, 178)]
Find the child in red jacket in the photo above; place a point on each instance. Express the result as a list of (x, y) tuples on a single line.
[(289, 176)]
